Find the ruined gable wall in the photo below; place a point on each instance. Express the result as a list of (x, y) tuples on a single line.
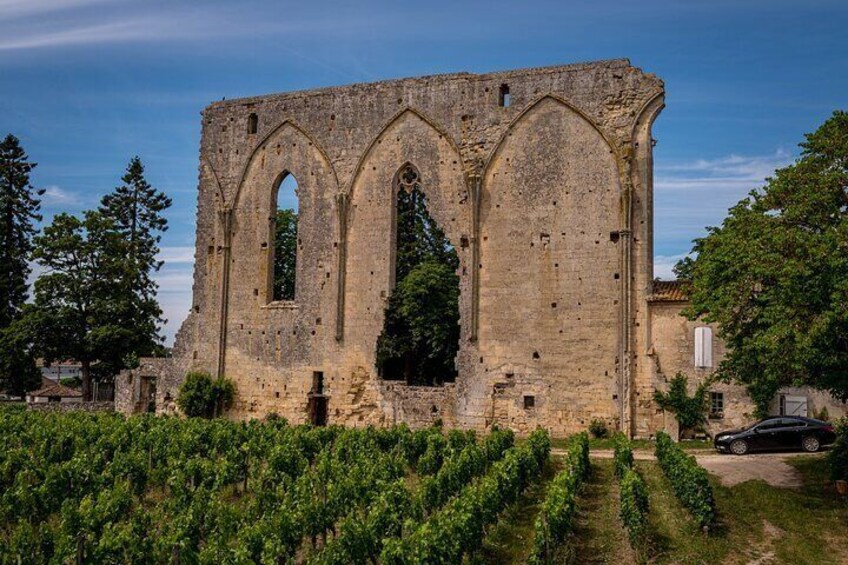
[(567, 135)]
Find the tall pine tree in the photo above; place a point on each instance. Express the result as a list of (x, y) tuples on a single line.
[(136, 211), (19, 211)]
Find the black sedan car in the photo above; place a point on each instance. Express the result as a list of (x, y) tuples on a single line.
[(779, 432)]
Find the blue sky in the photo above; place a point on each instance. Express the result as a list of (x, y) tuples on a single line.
[(87, 84)]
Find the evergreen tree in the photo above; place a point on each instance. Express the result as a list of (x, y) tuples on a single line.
[(420, 337), (135, 211), (285, 254), (79, 310), (19, 210)]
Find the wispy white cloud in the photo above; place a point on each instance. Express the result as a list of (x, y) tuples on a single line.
[(57, 197), (10, 9), (46, 24), (664, 265), (172, 255), (691, 195)]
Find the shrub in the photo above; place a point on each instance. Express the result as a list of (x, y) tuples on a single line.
[(598, 428), (688, 480), (556, 519), (633, 494), (634, 508), (690, 411), (838, 456), (623, 457), (457, 529), (200, 396)]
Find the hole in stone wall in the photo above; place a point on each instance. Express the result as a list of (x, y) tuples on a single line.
[(285, 239), (535, 355), (420, 337), (317, 382), (503, 96), (529, 401), (252, 124), (614, 236)]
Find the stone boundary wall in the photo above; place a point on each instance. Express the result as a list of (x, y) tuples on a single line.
[(65, 407)]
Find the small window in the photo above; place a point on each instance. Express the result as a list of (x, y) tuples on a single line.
[(318, 382), (716, 404), (252, 124), (704, 347), (529, 401), (503, 96)]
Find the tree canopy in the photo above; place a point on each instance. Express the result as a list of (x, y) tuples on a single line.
[(774, 275), (420, 337), (135, 210), (285, 254), (19, 212), (96, 299)]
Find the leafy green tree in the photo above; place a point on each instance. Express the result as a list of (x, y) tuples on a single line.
[(419, 237), (78, 311), (420, 337), (136, 211), (690, 411), (421, 333), (285, 254), (201, 396), (774, 276), (19, 211)]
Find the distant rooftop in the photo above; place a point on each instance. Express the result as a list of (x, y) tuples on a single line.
[(669, 291)]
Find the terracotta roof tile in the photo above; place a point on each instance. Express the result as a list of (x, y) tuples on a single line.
[(51, 388), (669, 291)]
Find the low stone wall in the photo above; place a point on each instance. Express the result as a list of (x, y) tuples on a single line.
[(63, 407)]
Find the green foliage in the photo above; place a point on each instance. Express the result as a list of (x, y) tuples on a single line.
[(285, 254), (201, 396), (135, 210), (421, 332), (102, 488), (838, 456), (96, 299), (774, 276), (622, 456), (78, 308), (362, 535), (690, 411), (598, 428), (457, 529), (556, 518), (19, 210), (633, 495), (688, 480), (420, 337)]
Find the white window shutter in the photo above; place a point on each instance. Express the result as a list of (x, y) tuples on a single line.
[(704, 347)]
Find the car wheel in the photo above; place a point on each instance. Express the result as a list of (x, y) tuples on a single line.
[(810, 444), (739, 447)]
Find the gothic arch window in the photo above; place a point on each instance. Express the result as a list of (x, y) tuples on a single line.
[(420, 337), (284, 238)]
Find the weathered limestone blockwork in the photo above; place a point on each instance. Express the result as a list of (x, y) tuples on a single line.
[(548, 202)]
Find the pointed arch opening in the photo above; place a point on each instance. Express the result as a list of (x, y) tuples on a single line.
[(285, 240), (420, 337)]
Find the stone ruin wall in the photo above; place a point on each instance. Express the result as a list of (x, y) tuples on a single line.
[(547, 202)]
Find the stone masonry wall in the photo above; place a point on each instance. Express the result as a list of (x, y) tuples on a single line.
[(546, 200)]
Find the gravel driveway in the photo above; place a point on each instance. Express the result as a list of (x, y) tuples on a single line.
[(734, 469)]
